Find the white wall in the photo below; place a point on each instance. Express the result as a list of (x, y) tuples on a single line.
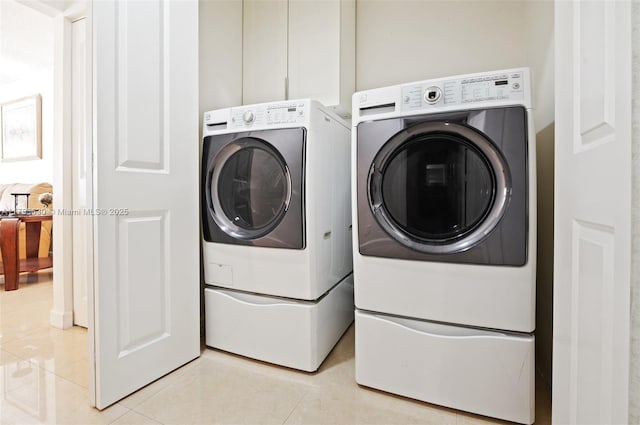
[(634, 381), (403, 41), (26, 64), (539, 27)]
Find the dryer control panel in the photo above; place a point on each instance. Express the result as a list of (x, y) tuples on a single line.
[(464, 90), (265, 115)]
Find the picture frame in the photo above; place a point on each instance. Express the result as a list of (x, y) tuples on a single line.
[(21, 129)]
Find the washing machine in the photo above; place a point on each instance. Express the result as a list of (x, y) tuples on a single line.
[(276, 227), (445, 241)]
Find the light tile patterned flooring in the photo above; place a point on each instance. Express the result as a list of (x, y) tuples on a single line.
[(44, 375)]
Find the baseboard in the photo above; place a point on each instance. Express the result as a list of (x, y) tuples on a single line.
[(61, 319)]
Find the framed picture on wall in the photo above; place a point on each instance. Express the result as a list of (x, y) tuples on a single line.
[(21, 126)]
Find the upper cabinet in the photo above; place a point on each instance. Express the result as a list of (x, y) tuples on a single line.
[(297, 49), (220, 28), (264, 50)]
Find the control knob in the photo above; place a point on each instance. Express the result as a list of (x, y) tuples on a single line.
[(248, 117), (432, 95)]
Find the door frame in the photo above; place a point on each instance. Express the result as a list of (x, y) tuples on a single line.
[(82, 176), (61, 315)]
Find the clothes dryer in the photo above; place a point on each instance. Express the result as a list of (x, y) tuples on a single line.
[(276, 222), (445, 241)]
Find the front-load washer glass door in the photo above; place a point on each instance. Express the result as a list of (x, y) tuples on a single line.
[(250, 188), (445, 187), (253, 188), (439, 187)]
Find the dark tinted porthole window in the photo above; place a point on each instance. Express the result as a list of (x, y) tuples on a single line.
[(437, 187), (253, 188)]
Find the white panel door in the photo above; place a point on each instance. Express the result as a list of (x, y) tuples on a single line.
[(146, 298), (81, 172), (592, 212)]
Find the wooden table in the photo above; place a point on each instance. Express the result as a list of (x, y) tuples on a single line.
[(12, 266)]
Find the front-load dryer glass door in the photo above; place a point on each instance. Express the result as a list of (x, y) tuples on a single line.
[(253, 188), (439, 187)]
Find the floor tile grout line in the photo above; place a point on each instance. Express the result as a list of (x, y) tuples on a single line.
[(304, 396), (4, 343), (119, 417), (161, 390), (149, 417), (86, 389), (35, 361), (55, 375)]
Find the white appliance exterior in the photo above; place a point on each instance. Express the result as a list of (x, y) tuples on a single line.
[(447, 365), (290, 333), (287, 306), (327, 256), (477, 295), (470, 361)]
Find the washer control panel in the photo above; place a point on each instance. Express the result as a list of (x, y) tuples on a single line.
[(464, 90), (268, 114)]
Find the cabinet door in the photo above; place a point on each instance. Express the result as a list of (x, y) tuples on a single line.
[(220, 31), (264, 51), (322, 50)]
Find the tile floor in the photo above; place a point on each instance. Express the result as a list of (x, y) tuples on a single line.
[(44, 375)]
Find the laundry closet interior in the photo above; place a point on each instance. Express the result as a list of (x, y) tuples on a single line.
[(278, 52)]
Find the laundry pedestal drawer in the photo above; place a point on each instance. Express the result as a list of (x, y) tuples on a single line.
[(479, 371), (290, 333)]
